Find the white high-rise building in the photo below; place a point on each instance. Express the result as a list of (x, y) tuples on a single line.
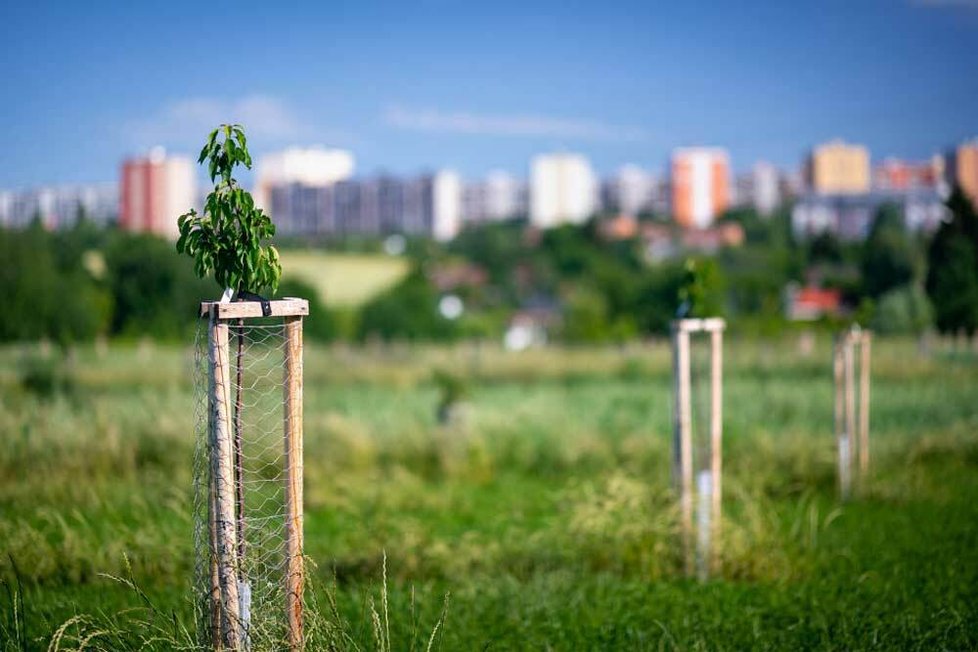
[(502, 196), (314, 167), (562, 189), (446, 205), (6, 206), (499, 196), (632, 189), (765, 188), (474, 202)]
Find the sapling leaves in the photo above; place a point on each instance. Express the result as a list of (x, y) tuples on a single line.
[(227, 238)]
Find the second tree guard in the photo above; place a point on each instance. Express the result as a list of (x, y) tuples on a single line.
[(708, 485), (852, 412)]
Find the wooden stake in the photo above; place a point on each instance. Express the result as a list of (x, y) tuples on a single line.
[(682, 440), (295, 571), (864, 363), (850, 375), (214, 598), (222, 471), (840, 420), (716, 424)]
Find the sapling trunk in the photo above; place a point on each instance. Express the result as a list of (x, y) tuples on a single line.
[(238, 454)]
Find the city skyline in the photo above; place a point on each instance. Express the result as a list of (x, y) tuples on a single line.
[(478, 89), (251, 178), (315, 191)]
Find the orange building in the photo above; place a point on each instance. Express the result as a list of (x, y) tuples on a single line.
[(962, 169), (700, 185), (838, 168), (154, 191)]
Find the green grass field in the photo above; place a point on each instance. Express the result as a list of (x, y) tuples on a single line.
[(547, 515), (344, 279)]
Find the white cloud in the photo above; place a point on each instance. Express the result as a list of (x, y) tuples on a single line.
[(187, 121), (434, 120)]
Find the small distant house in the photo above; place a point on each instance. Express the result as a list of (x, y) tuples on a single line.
[(662, 242), (449, 277), (622, 227), (530, 326), (711, 240), (810, 303)]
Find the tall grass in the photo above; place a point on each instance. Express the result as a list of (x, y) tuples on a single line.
[(549, 513)]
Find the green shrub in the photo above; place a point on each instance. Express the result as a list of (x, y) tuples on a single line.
[(903, 310), (321, 324), (408, 311), (46, 376)]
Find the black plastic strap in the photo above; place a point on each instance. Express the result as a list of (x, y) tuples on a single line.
[(266, 305)]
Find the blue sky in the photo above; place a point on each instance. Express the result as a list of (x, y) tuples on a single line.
[(478, 85)]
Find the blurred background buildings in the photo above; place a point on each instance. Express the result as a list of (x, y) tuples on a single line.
[(314, 193)]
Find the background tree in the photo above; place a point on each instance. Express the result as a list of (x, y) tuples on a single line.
[(409, 311), (824, 248), (701, 292), (156, 292), (905, 310), (321, 324), (952, 276), (585, 316), (888, 259), (47, 292)]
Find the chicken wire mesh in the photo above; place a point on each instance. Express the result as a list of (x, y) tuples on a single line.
[(257, 370), (697, 437), (701, 400)]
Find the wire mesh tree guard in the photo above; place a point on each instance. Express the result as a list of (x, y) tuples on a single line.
[(707, 488), (852, 412), (249, 573)]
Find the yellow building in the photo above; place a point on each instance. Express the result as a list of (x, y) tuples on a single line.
[(838, 168)]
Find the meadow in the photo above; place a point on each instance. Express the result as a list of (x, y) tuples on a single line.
[(545, 512), (344, 279)]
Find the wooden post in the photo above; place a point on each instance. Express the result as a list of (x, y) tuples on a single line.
[(716, 424), (840, 419), (222, 473), (214, 597), (682, 439), (864, 364), (850, 383), (295, 569)]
